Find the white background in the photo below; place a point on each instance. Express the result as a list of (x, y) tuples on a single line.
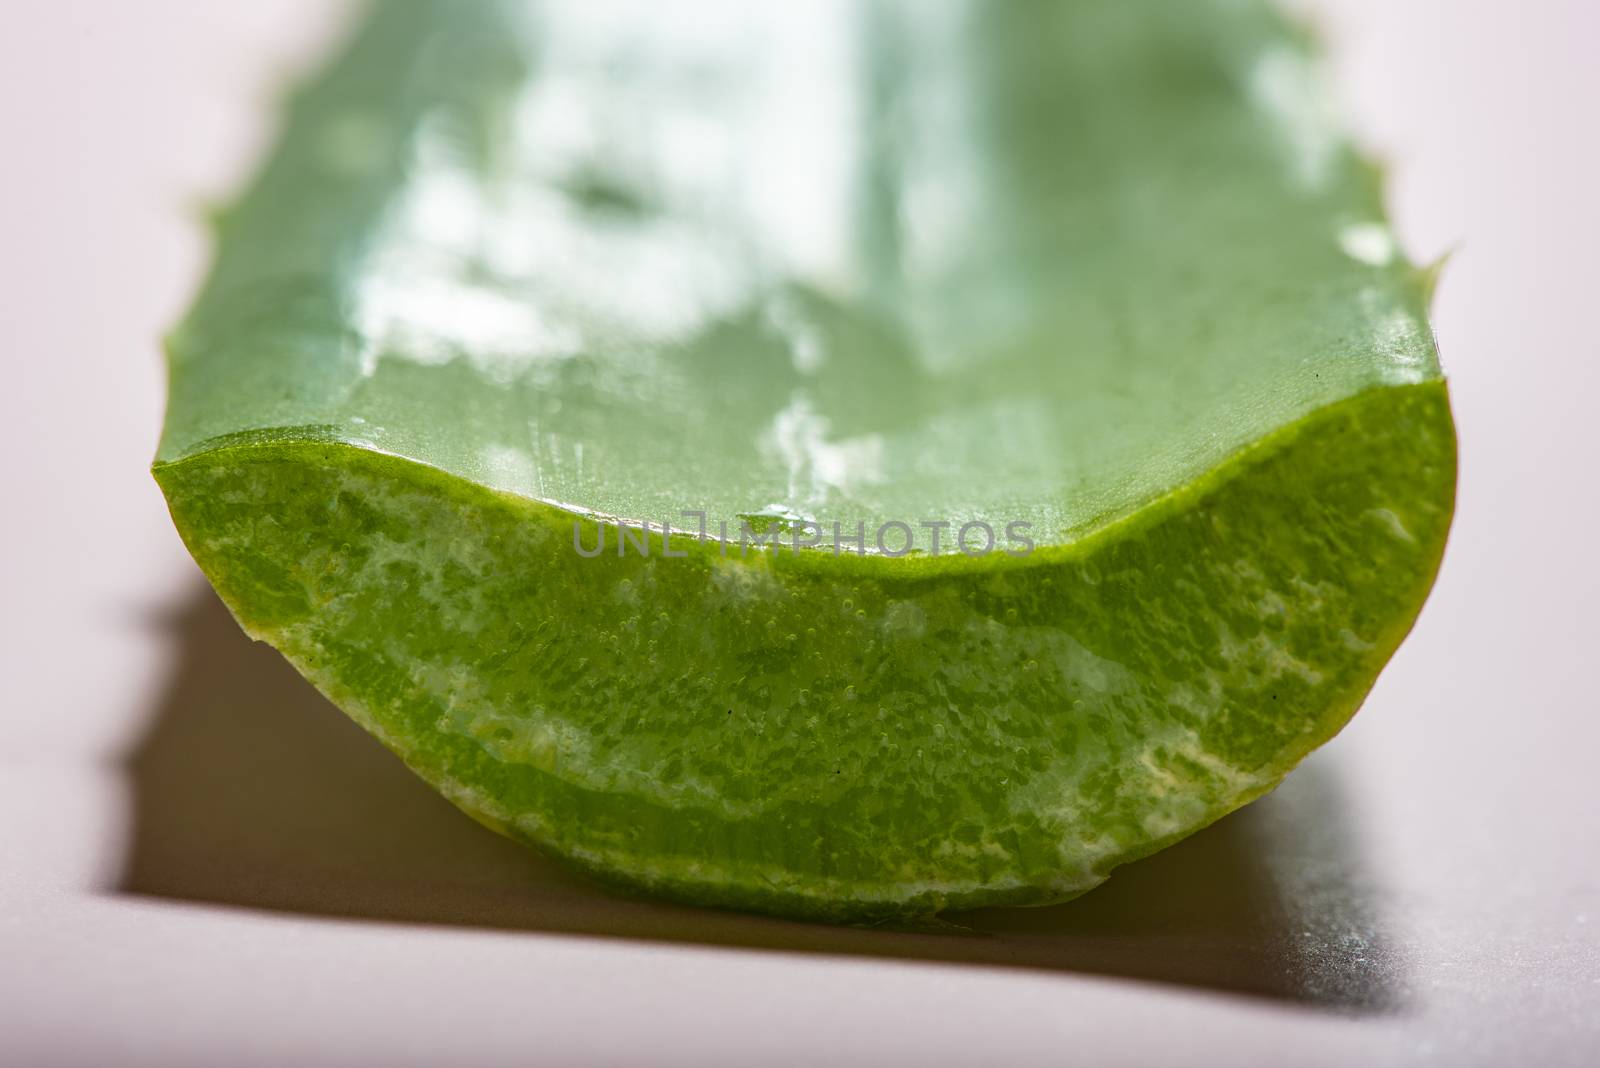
[(202, 863)]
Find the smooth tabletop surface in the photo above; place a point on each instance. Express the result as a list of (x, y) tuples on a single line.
[(206, 863)]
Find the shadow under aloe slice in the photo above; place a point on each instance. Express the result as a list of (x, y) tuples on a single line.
[(1123, 294)]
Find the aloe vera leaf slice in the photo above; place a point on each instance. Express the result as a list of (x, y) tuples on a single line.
[(1106, 270)]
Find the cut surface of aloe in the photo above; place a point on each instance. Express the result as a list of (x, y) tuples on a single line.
[(1103, 274)]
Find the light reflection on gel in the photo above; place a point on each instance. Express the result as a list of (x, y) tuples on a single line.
[(843, 257)]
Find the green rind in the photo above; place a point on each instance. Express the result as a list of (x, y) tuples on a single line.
[(841, 738)]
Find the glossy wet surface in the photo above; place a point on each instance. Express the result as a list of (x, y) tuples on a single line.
[(843, 262)]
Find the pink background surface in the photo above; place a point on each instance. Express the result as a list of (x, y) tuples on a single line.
[(203, 863)]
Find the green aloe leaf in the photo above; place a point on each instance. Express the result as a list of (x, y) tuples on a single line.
[(1101, 278)]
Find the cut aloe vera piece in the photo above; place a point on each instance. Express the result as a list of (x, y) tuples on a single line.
[(1098, 274)]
